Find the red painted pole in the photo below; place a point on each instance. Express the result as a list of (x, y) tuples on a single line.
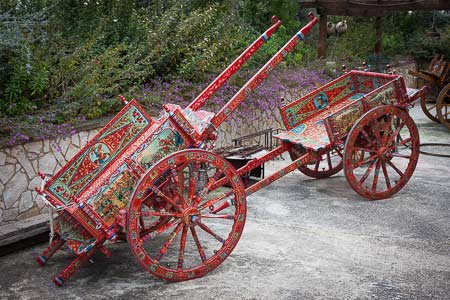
[(201, 99), (256, 80)]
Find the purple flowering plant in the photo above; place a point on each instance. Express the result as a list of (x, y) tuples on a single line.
[(288, 83)]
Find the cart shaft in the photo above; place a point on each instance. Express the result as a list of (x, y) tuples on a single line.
[(204, 96), (259, 77), (301, 161)]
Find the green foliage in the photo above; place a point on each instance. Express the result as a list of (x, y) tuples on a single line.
[(71, 57)]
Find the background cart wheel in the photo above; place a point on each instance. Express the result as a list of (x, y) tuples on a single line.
[(204, 200), (428, 105), (389, 139), (443, 106), (325, 164)]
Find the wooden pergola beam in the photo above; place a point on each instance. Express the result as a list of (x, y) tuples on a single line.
[(365, 8), (372, 7)]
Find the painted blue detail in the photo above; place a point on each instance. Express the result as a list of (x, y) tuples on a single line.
[(300, 36), (299, 129), (321, 101), (59, 280), (357, 96), (375, 83), (265, 37), (43, 259)]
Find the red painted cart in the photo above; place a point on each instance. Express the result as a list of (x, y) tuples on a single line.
[(182, 208)]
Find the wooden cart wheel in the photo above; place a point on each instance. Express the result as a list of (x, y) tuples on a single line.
[(429, 108), (325, 164), (443, 106), (389, 139), (190, 185)]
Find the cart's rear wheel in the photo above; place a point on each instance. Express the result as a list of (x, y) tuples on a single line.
[(389, 139), (193, 240), (324, 165), (443, 106)]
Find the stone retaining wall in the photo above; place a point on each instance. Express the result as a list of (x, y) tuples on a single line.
[(19, 166)]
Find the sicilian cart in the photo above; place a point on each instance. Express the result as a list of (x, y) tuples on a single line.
[(436, 105), (182, 208)]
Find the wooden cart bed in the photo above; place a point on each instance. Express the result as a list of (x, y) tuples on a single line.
[(323, 117)]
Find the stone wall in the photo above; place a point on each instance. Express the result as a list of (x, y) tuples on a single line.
[(236, 128), (19, 166)]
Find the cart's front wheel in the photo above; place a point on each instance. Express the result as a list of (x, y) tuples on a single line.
[(189, 186), (324, 165), (389, 140), (429, 107), (443, 106)]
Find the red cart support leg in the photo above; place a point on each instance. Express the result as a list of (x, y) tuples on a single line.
[(62, 277), (51, 249)]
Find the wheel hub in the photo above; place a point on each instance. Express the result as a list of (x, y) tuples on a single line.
[(382, 152), (190, 216)]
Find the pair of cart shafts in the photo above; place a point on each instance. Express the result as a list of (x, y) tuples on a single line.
[(182, 208)]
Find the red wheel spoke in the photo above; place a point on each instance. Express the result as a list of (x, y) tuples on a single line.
[(386, 175), (192, 182), (395, 168), (199, 246), (208, 186), (367, 173), (226, 216), (364, 149), (146, 235), (141, 222), (395, 133), (316, 166), (169, 240), (375, 176), (403, 142), (162, 195), (330, 166), (401, 155), (179, 183), (208, 230), (362, 162), (147, 197), (159, 214), (366, 136), (386, 128), (221, 182), (376, 132), (182, 247)]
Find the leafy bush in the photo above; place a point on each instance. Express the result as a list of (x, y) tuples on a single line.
[(69, 58)]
